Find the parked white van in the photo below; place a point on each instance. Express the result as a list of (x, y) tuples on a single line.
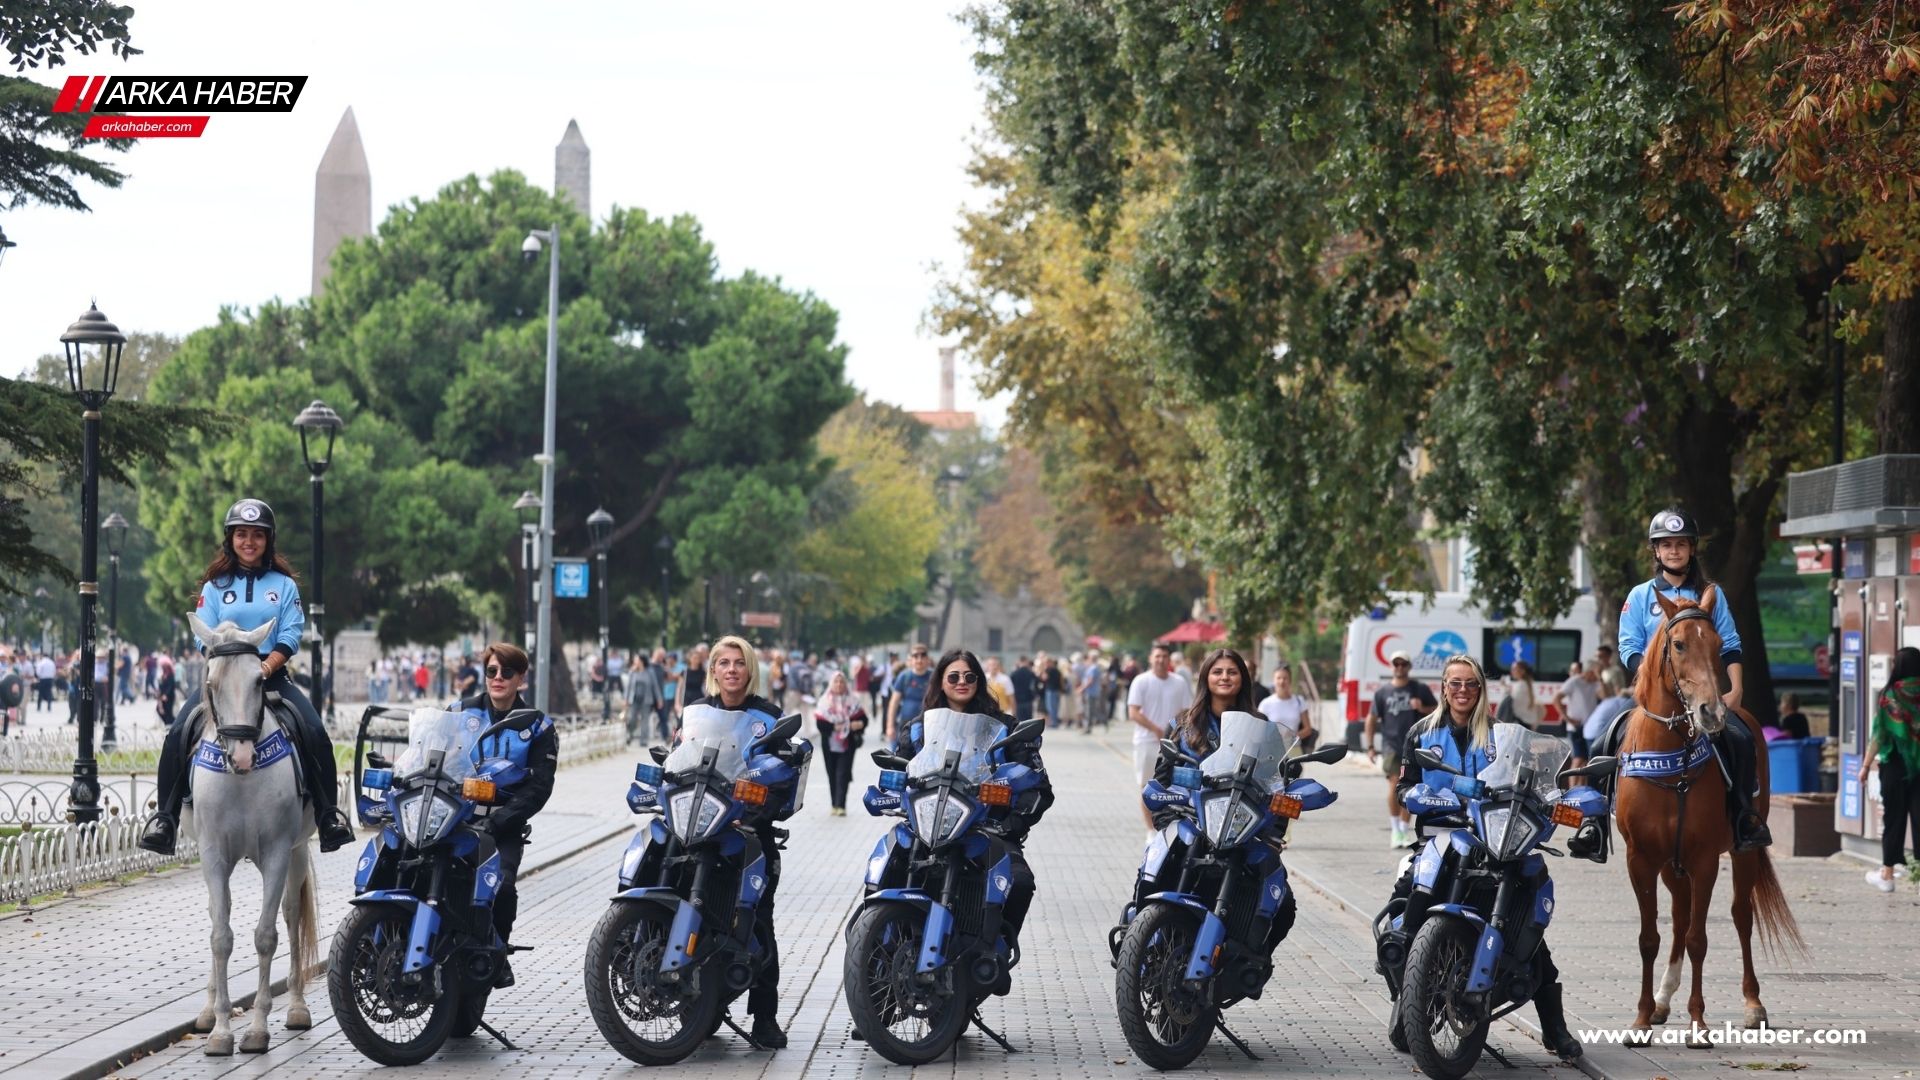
[(1450, 626)]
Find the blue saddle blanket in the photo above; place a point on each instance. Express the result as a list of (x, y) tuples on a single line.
[(1663, 763)]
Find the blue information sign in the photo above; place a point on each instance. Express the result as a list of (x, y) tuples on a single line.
[(1850, 785), (570, 580), (1850, 641)]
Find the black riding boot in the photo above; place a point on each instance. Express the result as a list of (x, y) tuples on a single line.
[(1553, 1023), (1736, 747), (163, 827)]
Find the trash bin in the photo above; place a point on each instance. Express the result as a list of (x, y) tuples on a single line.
[(1795, 764)]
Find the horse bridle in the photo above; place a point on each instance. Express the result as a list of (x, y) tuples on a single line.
[(248, 733), (1686, 712)]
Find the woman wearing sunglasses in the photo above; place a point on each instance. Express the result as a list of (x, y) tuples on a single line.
[(533, 744)]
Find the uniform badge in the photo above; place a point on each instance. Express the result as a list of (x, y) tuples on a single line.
[(273, 597), (200, 601), (250, 512), (227, 597), (759, 729), (1673, 523)]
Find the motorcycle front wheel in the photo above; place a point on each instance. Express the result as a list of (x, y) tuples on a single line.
[(651, 1022), (909, 1022), (1445, 1032), (1167, 1024), (387, 1017)]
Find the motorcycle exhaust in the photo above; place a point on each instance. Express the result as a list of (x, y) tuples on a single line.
[(739, 975)]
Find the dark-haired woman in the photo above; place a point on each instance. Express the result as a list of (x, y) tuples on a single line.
[(250, 584), (960, 684), (1894, 739)]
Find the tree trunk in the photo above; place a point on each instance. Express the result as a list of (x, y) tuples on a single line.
[(1898, 417), (1615, 570), (946, 612), (562, 697)]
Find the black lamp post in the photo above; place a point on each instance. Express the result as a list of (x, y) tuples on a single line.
[(92, 373), (600, 527), (4, 245), (313, 420), (665, 547), (528, 507), (116, 529)]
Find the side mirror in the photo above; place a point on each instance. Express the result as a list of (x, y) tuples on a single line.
[(1027, 732), (659, 754), (517, 720), (1429, 758), (784, 730), (887, 759), (1326, 755), (1592, 770)]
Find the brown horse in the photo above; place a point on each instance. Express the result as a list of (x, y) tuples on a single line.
[(1675, 825)]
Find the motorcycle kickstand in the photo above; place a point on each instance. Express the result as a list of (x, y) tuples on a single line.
[(727, 1019), (992, 1034), (1235, 1040), (1497, 1055), (489, 1029)]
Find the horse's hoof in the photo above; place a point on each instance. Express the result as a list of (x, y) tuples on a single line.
[(1756, 1017), (1697, 1039), (1660, 1013), (204, 1022), (220, 1046), (254, 1042), (1639, 1036), (298, 1018)]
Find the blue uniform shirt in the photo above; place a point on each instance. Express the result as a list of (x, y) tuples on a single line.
[(1640, 619), (1440, 737), (249, 601)]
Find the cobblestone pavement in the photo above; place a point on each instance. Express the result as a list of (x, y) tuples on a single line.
[(1324, 1014)]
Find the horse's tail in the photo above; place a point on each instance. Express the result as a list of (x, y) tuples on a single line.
[(1778, 930), (304, 923)]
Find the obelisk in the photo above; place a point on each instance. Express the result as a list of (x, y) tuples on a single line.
[(573, 170), (342, 196)]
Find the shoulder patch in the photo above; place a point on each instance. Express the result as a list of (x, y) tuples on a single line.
[(273, 597), (227, 597), (200, 601)]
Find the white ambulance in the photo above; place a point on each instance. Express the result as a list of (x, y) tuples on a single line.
[(1450, 626)]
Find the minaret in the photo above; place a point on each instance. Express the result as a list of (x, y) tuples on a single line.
[(573, 170), (342, 196)]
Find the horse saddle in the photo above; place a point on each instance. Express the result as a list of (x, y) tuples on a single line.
[(209, 756)]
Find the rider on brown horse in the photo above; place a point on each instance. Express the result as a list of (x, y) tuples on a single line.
[(1673, 536)]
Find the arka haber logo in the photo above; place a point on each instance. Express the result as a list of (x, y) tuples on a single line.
[(113, 97)]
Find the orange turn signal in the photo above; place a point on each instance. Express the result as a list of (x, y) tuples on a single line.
[(477, 790), (996, 794), (1568, 815), (748, 792), (693, 941), (1287, 806)]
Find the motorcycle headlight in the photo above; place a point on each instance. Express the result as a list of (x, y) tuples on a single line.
[(940, 829), (438, 811), (1507, 834), (1228, 819), (696, 815)]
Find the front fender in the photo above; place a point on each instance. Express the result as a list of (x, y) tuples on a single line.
[(1212, 934), (686, 923), (1486, 953), (426, 924)]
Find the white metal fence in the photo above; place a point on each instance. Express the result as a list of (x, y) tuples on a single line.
[(52, 750)]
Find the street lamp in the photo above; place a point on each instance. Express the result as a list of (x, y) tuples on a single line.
[(313, 419), (530, 250), (4, 245), (600, 527), (665, 547), (92, 378), (528, 507), (116, 529)]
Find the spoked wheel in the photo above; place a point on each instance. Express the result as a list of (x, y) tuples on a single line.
[(909, 1021), (651, 1022), (392, 1018), (1445, 1032), (1166, 1023)]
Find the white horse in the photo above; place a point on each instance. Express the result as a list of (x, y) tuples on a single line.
[(246, 805)]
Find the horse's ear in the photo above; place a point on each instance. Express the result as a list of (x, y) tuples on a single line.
[(1666, 605), (200, 629), (1709, 597), (255, 637)]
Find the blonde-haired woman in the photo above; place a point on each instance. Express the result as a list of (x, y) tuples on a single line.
[(1461, 728)]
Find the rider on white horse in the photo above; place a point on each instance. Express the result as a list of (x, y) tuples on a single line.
[(249, 584)]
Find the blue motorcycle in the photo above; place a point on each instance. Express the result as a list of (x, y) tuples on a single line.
[(1458, 950), (927, 944), (1213, 899), (679, 942), (414, 960)]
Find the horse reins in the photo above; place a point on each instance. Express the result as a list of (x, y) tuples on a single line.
[(251, 732), (1681, 786)]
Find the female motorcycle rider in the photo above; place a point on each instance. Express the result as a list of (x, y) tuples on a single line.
[(959, 683), (733, 683), (536, 747), (1461, 729), (248, 583)]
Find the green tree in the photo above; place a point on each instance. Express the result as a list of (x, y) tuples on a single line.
[(41, 151)]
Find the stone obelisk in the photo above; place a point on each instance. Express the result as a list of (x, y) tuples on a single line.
[(573, 169), (342, 196)]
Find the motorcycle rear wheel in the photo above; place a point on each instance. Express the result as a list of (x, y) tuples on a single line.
[(1445, 1033), (883, 992), (623, 961), (1166, 1024), (364, 984)]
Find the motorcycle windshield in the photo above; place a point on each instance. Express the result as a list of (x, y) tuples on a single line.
[(1245, 735), (1516, 748), (451, 734), (970, 735), (725, 731)]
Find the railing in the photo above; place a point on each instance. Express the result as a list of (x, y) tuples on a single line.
[(52, 750), (46, 802)]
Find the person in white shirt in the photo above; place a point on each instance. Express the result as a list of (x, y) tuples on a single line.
[(1154, 702), (1286, 708), (1577, 698)]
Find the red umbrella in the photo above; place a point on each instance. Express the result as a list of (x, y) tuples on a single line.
[(1192, 630)]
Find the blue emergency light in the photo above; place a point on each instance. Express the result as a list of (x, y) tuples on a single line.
[(1186, 776), (893, 780), (377, 779), (651, 775)]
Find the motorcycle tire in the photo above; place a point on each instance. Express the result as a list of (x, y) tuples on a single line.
[(1438, 966), (358, 965), (472, 1010), (883, 947), (631, 932), (1152, 966)]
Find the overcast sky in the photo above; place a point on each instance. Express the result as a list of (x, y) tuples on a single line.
[(823, 143)]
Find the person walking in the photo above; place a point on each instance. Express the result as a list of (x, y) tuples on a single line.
[(43, 676), (1522, 703), (1577, 699), (909, 695), (1026, 687), (841, 721), (1894, 740), (1397, 706), (693, 680), (1154, 702), (1000, 686), (1092, 691), (643, 698), (1288, 709), (1055, 684)]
